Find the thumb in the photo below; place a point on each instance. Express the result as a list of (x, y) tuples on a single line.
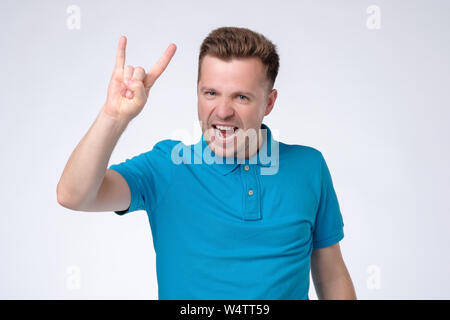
[(134, 85), (137, 88)]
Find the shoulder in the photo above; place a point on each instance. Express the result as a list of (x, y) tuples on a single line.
[(159, 153), (300, 153), (166, 146)]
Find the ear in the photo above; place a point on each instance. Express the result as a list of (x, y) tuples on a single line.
[(271, 101)]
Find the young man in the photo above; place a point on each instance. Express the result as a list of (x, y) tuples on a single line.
[(229, 228)]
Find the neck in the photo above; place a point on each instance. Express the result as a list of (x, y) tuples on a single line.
[(252, 148)]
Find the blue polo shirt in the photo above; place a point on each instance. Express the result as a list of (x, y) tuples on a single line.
[(234, 229)]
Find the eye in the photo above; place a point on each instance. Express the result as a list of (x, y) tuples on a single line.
[(210, 93), (242, 97)]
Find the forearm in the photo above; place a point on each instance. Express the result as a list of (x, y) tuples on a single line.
[(330, 275), (340, 288), (86, 167)]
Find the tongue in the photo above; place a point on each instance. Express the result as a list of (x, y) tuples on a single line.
[(226, 132)]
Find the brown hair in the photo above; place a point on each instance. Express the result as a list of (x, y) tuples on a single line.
[(232, 42)]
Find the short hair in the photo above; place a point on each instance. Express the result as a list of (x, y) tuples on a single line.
[(231, 42)]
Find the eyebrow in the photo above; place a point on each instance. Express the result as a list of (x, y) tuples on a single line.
[(245, 93)]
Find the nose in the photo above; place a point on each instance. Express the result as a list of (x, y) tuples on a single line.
[(224, 109)]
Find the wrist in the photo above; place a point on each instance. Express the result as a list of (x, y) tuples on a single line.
[(112, 121)]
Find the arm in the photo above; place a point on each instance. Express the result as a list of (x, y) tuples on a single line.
[(86, 184), (331, 278), (85, 175)]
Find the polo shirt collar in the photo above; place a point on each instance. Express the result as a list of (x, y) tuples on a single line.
[(227, 164)]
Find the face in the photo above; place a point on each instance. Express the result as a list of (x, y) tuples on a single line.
[(233, 98)]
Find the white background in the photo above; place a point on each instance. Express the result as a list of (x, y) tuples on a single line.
[(374, 101)]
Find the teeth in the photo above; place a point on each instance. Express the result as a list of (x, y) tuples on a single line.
[(224, 127), (219, 133)]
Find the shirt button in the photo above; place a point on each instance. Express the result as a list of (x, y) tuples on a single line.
[(246, 168), (250, 192)]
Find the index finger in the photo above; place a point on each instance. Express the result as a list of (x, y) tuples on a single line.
[(120, 56), (160, 66)]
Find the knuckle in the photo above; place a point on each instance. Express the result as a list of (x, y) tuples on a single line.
[(139, 69), (136, 84)]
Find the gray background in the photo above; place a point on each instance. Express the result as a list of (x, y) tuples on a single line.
[(374, 101)]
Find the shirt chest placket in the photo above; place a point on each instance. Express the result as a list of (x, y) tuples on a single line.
[(252, 192)]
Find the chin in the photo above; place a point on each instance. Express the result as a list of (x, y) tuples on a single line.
[(223, 151)]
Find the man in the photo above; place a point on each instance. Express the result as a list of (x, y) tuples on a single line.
[(221, 229)]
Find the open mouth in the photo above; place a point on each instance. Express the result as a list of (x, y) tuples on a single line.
[(224, 133)]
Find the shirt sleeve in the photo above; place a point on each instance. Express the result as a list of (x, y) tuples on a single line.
[(328, 227), (148, 176)]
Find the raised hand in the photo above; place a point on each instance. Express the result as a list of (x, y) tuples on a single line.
[(129, 86)]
